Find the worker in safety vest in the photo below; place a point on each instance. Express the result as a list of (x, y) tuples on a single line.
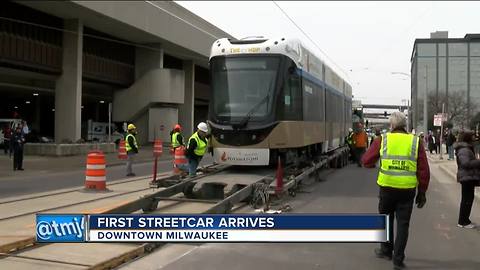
[(360, 141), (131, 147), (403, 170), (349, 141), (196, 149), (176, 137)]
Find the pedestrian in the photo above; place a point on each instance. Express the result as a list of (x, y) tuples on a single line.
[(196, 149), (431, 142), (449, 143), (176, 137), (132, 147), (468, 175), (360, 139), (437, 142), (18, 141), (403, 169), (7, 135)]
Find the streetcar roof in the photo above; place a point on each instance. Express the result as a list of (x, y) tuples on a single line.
[(290, 47)]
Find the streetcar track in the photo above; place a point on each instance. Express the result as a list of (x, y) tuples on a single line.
[(73, 204), (140, 248), (118, 182), (230, 204)]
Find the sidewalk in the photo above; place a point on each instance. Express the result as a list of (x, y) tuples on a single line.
[(35, 165), (448, 167)]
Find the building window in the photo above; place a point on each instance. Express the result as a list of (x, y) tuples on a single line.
[(474, 86), (442, 76), (426, 49), (457, 49), (442, 49), (475, 49)]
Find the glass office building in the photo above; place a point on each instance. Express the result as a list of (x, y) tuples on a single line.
[(446, 71)]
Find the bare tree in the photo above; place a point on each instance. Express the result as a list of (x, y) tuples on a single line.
[(456, 107)]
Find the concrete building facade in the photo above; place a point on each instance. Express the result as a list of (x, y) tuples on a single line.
[(63, 62), (446, 71)]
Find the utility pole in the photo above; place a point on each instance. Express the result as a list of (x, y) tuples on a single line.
[(425, 112)]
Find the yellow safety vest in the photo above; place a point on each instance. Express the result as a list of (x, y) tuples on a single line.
[(350, 138), (128, 147), (201, 145), (398, 161), (175, 142)]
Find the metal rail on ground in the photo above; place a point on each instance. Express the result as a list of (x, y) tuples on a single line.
[(150, 203)]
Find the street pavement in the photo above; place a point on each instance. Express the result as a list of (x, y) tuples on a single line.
[(434, 242), (44, 174)]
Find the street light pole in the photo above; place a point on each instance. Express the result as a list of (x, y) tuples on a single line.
[(408, 100)]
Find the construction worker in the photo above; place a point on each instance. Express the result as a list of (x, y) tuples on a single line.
[(18, 141), (349, 141), (131, 147), (196, 149), (403, 168), (176, 137), (360, 139)]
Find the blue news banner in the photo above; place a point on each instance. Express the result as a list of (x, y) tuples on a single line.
[(211, 228)]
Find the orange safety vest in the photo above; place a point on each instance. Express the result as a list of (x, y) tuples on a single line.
[(360, 139)]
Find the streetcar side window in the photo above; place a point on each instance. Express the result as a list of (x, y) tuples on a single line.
[(292, 98), (312, 100)]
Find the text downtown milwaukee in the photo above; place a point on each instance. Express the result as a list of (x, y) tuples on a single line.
[(211, 228)]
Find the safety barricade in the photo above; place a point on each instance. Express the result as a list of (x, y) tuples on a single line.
[(179, 158), (95, 175), (122, 150)]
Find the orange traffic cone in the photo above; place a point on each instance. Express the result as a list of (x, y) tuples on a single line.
[(179, 159), (122, 150), (95, 175)]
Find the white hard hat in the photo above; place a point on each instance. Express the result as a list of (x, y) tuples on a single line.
[(203, 127)]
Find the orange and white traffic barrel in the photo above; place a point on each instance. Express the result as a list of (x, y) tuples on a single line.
[(95, 175), (122, 150), (179, 158), (157, 148)]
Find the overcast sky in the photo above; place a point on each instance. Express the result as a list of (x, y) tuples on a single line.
[(368, 40)]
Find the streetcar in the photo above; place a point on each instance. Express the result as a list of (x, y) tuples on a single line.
[(274, 98)]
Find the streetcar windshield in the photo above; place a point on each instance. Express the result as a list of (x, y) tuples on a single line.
[(243, 86)]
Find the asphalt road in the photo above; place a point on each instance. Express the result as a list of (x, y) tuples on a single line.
[(434, 243), (31, 184)]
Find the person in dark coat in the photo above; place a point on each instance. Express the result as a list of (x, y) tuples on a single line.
[(437, 142), (468, 175), (7, 135), (431, 142), (18, 140), (450, 140)]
